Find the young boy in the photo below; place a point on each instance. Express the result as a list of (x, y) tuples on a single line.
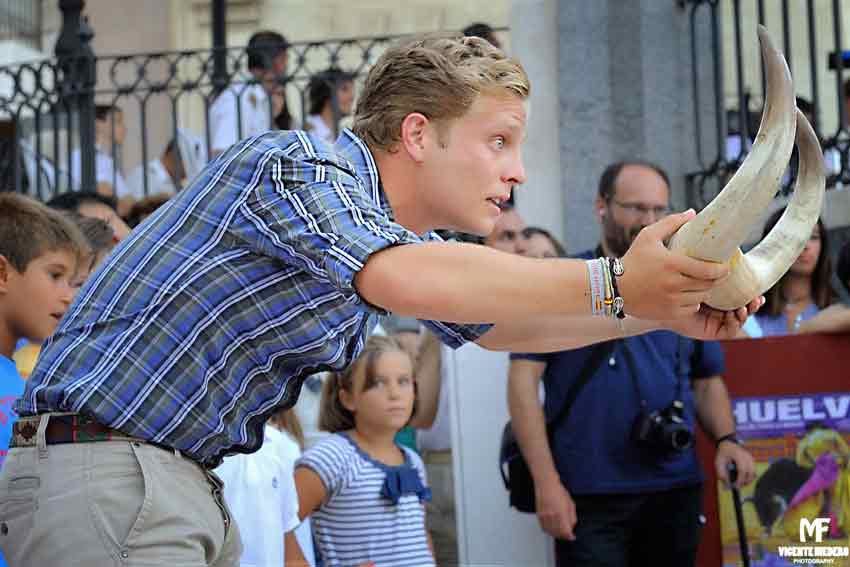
[(100, 239), (39, 252)]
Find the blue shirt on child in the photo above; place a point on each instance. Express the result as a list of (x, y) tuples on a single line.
[(11, 388)]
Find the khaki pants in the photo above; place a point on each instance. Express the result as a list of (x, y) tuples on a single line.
[(112, 503)]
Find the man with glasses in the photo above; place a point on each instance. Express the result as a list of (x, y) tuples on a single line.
[(615, 488)]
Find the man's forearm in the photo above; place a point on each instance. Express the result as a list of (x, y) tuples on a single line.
[(468, 283), (529, 424), (713, 407), (553, 333)]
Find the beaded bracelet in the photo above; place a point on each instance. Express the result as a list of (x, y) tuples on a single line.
[(617, 270)]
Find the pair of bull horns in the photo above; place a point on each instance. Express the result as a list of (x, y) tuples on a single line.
[(717, 232)]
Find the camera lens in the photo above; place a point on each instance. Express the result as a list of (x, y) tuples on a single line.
[(681, 438)]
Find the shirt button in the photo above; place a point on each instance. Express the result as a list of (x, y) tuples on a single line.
[(125, 555)]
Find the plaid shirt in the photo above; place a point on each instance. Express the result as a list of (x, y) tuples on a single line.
[(209, 316)]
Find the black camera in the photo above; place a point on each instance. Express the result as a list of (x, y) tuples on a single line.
[(666, 430)]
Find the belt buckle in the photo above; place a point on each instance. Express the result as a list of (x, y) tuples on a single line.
[(24, 432)]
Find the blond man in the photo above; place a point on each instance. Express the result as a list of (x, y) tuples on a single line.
[(274, 264)]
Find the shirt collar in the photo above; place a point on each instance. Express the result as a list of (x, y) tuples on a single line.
[(357, 152)]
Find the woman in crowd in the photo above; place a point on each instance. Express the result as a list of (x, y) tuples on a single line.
[(801, 293)]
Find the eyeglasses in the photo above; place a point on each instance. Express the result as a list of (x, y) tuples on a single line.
[(639, 209)]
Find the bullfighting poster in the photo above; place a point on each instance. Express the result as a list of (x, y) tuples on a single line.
[(797, 511)]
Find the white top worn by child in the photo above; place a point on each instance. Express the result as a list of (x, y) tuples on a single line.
[(260, 492), (364, 493)]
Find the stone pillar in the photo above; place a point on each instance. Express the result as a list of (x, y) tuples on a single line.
[(534, 41), (625, 92)]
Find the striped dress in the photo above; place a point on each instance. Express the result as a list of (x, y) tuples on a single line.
[(356, 524)]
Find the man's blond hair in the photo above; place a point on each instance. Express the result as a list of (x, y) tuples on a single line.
[(438, 76)]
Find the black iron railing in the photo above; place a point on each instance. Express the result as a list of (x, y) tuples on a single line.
[(809, 32), (20, 20), (163, 96)]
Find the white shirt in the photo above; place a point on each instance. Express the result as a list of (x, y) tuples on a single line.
[(159, 181), (254, 111), (291, 452), (259, 489), (316, 126), (103, 173)]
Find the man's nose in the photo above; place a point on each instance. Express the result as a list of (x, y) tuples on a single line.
[(515, 175)]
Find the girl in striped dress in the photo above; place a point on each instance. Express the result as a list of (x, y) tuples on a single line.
[(364, 493)]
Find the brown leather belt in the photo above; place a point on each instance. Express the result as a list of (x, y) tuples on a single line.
[(64, 428)]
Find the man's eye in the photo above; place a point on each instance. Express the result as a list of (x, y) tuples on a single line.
[(499, 142)]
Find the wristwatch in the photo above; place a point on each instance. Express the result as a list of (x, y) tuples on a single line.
[(731, 437)]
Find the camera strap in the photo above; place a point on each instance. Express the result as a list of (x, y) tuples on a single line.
[(681, 369)]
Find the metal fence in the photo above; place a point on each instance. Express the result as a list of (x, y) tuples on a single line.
[(810, 34), (167, 103), (20, 20)]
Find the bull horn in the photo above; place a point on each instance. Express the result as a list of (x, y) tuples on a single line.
[(757, 271), (718, 231)]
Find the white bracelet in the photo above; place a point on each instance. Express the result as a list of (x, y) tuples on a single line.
[(596, 275)]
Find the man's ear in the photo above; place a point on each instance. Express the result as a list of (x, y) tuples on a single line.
[(601, 208), (414, 134)]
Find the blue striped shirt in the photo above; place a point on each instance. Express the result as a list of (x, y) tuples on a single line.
[(355, 525), (208, 317)]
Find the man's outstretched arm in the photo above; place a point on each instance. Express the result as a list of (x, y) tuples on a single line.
[(466, 283)]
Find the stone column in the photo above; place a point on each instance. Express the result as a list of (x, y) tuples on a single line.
[(534, 41), (624, 79)]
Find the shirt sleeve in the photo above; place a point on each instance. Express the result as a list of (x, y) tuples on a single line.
[(707, 360), (310, 214), (329, 459), (456, 335)]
